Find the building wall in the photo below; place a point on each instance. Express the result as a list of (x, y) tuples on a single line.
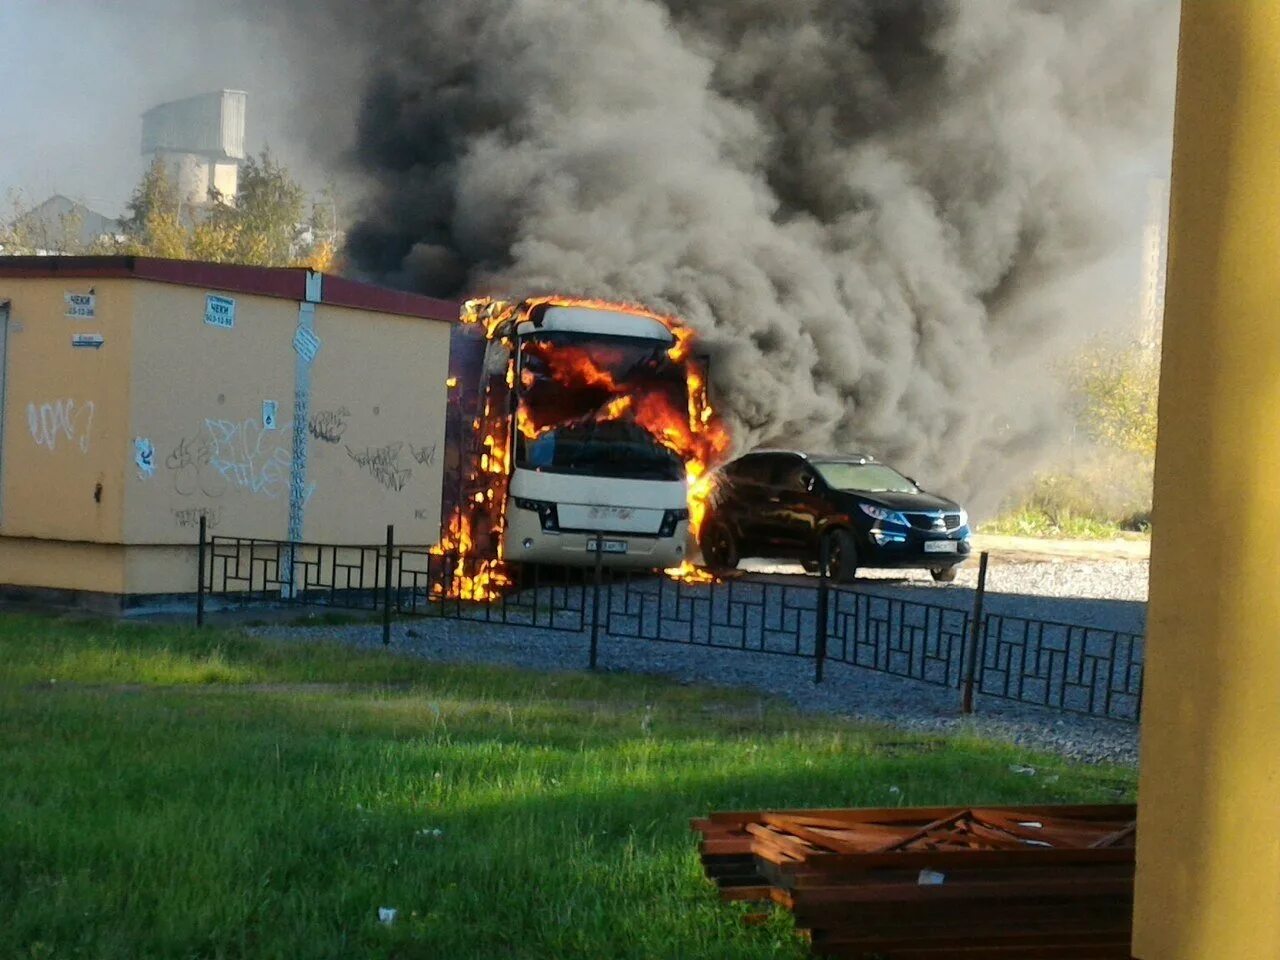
[(198, 393), (111, 455), (376, 431), (155, 569), (66, 411), (194, 175), (64, 565), (373, 437), (225, 178)]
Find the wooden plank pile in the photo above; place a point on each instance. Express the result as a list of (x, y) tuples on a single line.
[(990, 883)]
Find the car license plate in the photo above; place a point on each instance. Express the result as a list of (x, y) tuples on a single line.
[(608, 546), (941, 546)]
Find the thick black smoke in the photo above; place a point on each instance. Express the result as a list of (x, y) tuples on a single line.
[(885, 216)]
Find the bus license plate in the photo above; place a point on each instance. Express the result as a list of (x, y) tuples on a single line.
[(608, 546), (940, 546)]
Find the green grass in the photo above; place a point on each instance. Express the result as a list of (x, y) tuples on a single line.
[(1032, 522), (169, 794)]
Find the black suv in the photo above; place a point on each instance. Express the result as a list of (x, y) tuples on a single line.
[(856, 511)]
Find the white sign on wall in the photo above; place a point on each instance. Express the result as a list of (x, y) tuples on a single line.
[(219, 311), (80, 306), (307, 344), (268, 414)]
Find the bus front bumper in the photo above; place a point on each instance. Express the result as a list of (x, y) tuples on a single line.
[(526, 542)]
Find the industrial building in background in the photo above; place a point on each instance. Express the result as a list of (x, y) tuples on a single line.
[(61, 223), (138, 396), (200, 139)]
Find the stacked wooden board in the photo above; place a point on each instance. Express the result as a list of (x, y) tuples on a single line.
[(990, 883)]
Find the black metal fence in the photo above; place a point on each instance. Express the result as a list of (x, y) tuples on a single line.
[(1079, 669)]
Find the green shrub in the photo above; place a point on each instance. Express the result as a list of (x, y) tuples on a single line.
[(1103, 494)]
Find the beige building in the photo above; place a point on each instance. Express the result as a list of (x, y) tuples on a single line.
[(140, 395)]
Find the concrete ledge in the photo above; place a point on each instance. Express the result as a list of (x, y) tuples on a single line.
[(44, 599)]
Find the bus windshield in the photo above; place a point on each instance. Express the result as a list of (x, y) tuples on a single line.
[(591, 404)]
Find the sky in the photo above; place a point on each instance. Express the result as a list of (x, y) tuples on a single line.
[(76, 76)]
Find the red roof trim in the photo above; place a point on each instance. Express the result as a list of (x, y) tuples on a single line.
[(341, 292), (286, 283)]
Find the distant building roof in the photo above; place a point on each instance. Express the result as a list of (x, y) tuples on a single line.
[(210, 124), (286, 283), (48, 223)]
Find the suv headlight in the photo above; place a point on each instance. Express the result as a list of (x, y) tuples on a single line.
[(964, 517), (883, 515)]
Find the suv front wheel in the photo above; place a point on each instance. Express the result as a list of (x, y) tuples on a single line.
[(842, 556), (719, 548)]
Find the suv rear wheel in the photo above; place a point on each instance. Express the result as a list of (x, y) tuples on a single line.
[(944, 574), (719, 548), (842, 556)]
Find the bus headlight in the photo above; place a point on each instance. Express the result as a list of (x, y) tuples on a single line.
[(670, 520), (545, 509)]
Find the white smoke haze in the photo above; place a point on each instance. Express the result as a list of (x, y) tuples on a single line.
[(76, 76), (885, 217)]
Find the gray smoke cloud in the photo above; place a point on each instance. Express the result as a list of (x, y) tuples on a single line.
[(885, 217)]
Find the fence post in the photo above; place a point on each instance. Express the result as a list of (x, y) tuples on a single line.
[(595, 601), (820, 626), (386, 586), (975, 633), (200, 560)]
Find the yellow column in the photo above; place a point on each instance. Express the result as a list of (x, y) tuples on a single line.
[(1209, 800)]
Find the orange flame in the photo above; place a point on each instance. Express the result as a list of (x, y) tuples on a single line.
[(688, 573)]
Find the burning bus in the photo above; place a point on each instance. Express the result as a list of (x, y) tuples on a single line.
[(579, 427)]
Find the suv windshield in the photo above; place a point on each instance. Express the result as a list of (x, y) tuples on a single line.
[(865, 478), (578, 394)]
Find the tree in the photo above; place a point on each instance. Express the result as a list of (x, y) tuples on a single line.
[(263, 225), (155, 227), (1118, 390)]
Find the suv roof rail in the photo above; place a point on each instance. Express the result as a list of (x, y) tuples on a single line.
[(834, 457)]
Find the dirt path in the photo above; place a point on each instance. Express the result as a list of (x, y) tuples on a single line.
[(1033, 550)]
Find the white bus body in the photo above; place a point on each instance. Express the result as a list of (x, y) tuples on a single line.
[(635, 504)]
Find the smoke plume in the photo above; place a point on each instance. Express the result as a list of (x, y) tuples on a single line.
[(885, 217)]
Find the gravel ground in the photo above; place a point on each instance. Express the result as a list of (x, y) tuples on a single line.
[(1103, 594), (1110, 594)]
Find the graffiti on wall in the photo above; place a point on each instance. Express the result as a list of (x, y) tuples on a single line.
[(233, 454), (328, 426), (189, 517), (383, 464), (424, 455), (61, 421), (251, 458), (191, 469), (144, 455)]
